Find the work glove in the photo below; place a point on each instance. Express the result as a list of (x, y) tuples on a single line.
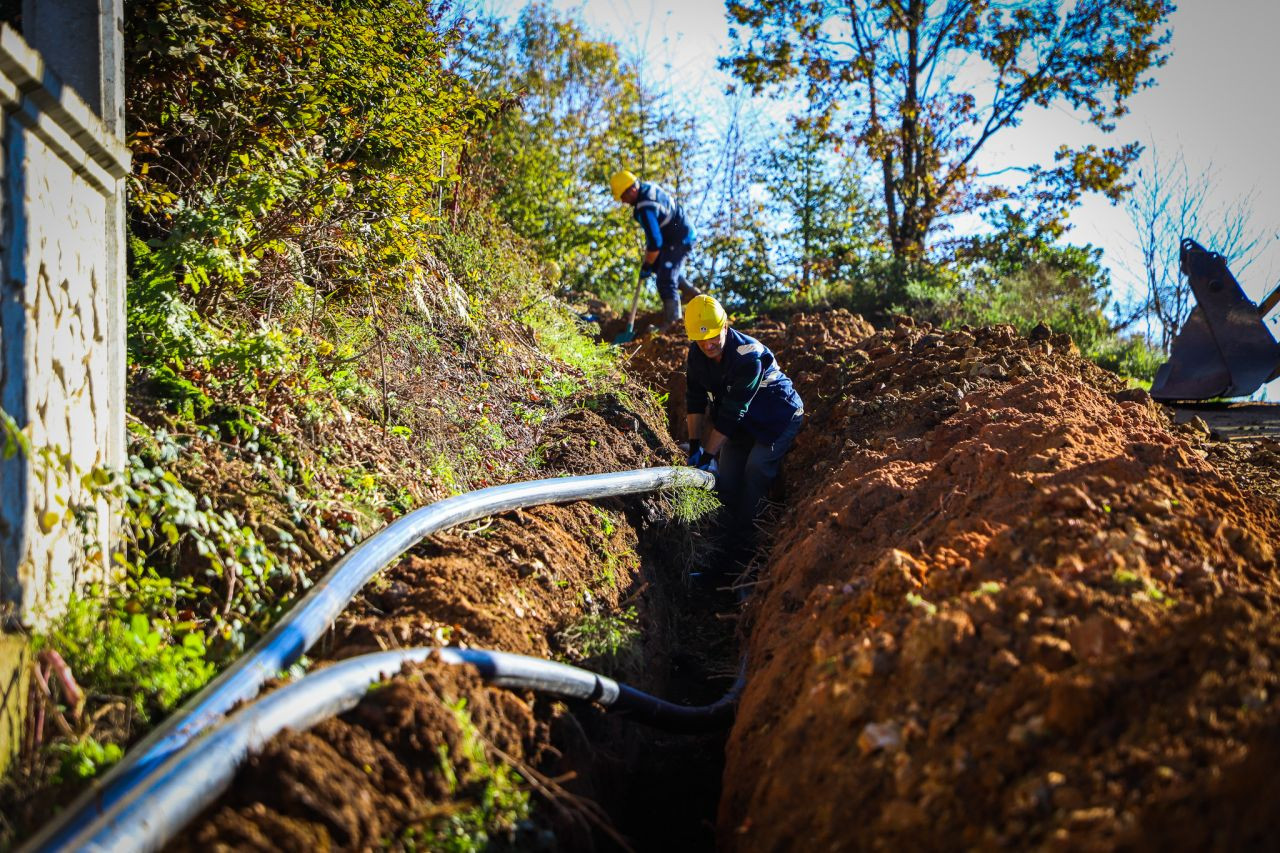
[(648, 271), (708, 463), (695, 453)]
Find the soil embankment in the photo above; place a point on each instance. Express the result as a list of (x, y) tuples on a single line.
[(1011, 606), (422, 762)]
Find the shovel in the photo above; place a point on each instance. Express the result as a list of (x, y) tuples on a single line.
[(630, 333)]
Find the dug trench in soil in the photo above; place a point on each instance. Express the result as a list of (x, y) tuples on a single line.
[(1012, 606), (520, 583)]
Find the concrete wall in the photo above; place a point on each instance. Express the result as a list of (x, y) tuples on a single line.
[(62, 336), (62, 318)]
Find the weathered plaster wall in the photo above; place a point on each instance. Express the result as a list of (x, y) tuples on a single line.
[(61, 328), (62, 312), (15, 687)]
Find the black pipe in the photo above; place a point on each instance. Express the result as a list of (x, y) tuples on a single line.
[(686, 719)]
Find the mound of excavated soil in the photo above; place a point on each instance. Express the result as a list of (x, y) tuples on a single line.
[(364, 780), (809, 346), (1010, 607), (518, 583)]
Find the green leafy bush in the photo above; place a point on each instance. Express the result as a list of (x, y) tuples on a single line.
[(115, 648), (84, 758), (1131, 356), (342, 149), (1017, 276)]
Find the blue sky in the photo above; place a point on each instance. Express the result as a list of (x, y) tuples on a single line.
[(1216, 103)]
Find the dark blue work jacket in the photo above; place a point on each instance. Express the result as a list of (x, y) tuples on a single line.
[(746, 387), (661, 217)]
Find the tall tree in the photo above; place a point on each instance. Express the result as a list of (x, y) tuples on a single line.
[(734, 259), (924, 85), (827, 222)]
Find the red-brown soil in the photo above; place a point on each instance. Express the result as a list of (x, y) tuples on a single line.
[(1011, 607), (809, 346), (515, 583), (368, 779)]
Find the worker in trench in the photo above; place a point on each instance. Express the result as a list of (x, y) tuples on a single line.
[(743, 415), (668, 237)]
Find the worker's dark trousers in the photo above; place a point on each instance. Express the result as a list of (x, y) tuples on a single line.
[(747, 467), (670, 270)]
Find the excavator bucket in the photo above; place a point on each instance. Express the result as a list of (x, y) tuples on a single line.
[(1224, 348)]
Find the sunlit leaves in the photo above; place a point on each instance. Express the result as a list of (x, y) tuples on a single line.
[(574, 112), (902, 77), (265, 126)]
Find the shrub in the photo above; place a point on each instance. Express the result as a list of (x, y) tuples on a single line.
[(115, 648)]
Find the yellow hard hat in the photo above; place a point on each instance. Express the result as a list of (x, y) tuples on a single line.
[(620, 182), (704, 319)]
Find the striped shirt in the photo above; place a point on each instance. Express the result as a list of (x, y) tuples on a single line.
[(661, 217), (746, 388)]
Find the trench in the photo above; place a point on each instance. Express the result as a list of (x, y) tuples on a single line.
[(660, 790)]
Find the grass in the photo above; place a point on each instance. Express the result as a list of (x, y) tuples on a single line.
[(689, 504), (559, 336), (607, 525), (605, 640)]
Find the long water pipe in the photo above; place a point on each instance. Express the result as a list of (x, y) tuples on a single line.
[(191, 780), (307, 621)]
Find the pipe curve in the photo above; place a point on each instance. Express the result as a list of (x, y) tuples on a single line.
[(312, 615), (192, 779)]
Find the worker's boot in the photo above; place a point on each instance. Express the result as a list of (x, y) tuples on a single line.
[(688, 291), (670, 313)]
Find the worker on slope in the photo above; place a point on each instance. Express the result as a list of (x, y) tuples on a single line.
[(743, 415), (668, 237)]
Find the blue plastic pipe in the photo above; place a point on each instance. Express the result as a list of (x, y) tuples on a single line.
[(307, 621), (190, 780)]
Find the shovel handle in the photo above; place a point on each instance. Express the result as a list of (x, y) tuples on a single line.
[(635, 302), (1270, 302)]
